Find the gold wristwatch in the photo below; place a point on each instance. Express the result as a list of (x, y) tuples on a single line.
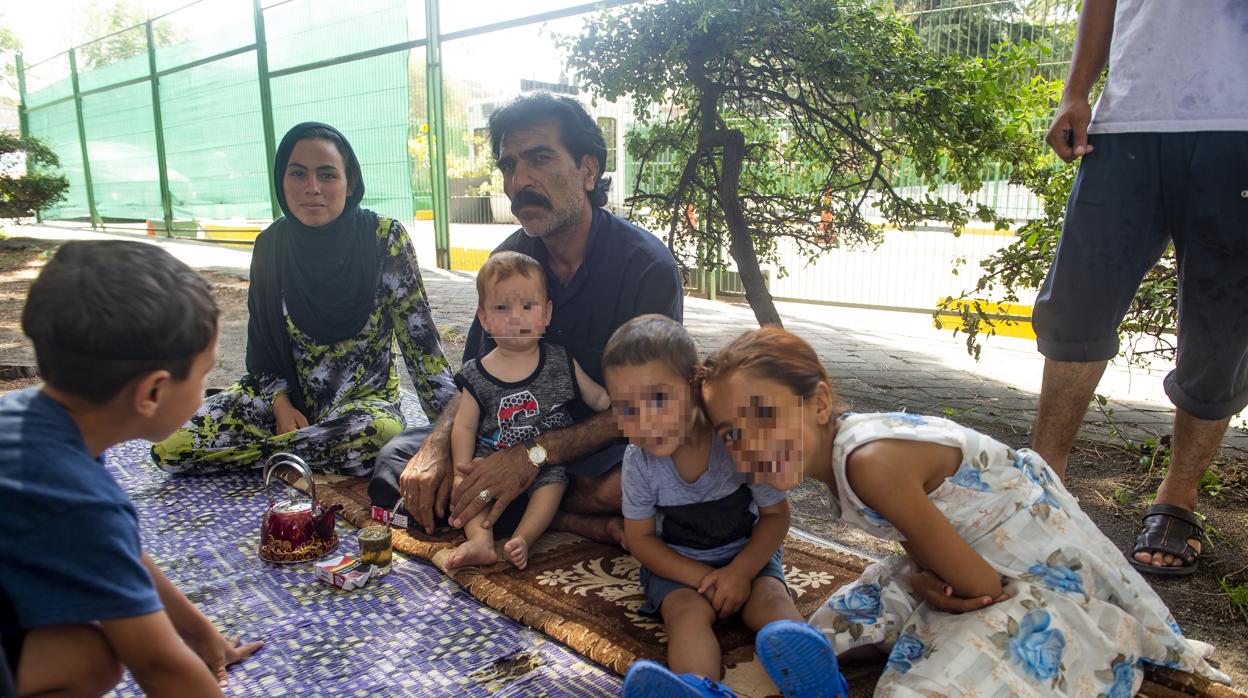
[(537, 454)]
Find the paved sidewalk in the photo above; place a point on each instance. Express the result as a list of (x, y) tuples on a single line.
[(878, 359)]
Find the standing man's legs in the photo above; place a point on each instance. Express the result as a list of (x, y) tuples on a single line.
[(1115, 231), (1133, 192), (1065, 393), (1206, 192)]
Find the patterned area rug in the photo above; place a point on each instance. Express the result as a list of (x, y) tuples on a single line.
[(587, 595), (414, 632)]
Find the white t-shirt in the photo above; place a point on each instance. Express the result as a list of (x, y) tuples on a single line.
[(1176, 65)]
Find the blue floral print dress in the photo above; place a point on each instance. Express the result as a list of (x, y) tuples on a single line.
[(1080, 620)]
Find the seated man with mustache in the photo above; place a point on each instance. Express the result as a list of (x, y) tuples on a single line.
[(601, 272)]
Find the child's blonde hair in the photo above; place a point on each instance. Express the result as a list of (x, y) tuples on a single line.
[(503, 265)]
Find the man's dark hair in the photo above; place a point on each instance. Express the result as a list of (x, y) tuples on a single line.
[(578, 131), (103, 313)]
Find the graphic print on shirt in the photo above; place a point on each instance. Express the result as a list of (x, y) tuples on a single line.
[(519, 418)]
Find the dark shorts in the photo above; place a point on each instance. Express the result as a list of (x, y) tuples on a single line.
[(1133, 195), (657, 588)]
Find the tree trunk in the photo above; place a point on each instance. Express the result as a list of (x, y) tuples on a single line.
[(742, 245), (732, 141)]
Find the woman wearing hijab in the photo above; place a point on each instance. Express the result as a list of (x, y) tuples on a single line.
[(332, 286)]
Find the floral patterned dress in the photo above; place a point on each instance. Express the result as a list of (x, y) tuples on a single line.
[(1080, 620), (351, 387)]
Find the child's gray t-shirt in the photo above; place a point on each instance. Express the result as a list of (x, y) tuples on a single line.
[(708, 519)]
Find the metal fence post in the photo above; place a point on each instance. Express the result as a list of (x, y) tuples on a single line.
[(437, 135), (22, 120), (82, 140), (166, 200), (266, 103)]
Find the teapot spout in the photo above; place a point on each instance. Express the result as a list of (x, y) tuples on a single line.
[(323, 522)]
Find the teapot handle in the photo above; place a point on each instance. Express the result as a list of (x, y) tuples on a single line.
[(290, 459)]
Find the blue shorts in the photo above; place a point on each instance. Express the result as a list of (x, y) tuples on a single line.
[(657, 588), (1134, 195)]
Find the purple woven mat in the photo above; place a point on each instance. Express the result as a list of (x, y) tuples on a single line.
[(412, 633)]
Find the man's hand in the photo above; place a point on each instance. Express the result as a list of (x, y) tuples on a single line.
[(1068, 136), (425, 485), (287, 417), (505, 474), (729, 590), (219, 652), (938, 593)]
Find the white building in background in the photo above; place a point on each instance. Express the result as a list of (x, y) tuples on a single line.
[(9, 122)]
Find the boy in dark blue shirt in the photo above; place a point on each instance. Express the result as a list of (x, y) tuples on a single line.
[(124, 336)]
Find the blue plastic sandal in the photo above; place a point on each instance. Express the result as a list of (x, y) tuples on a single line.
[(647, 679), (800, 660)]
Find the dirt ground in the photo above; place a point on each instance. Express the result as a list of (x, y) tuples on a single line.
[(1114, 483)]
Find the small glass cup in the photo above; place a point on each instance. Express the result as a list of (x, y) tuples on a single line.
[(375, 547)]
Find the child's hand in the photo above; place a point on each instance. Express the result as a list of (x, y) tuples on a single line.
[(938, 593), (726, 589), (219, 652)]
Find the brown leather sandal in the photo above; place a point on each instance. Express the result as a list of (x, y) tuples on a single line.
[(1167, 529)]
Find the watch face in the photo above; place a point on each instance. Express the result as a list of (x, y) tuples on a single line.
[(537, 455)]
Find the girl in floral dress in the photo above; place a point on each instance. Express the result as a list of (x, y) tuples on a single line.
[(1007, 587)]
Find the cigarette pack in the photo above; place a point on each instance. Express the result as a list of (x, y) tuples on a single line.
[(389, 517), (344, 572)]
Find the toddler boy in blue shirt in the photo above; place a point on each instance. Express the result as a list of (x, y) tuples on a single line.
[(124, 336)]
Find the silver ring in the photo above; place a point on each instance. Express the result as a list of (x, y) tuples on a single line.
[(484, 496)]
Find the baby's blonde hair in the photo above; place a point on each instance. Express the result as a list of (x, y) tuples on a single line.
[(503, 265)]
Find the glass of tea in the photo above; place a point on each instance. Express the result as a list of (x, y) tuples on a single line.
[(375, 547)]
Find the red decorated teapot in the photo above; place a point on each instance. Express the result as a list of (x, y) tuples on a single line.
[(297, 529)]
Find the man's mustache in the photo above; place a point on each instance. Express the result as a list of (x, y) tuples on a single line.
[(528, 197)]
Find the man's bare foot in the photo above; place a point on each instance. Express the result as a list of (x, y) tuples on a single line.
[(517, 552), (1158, 559), (472, 553), (1169, 541)]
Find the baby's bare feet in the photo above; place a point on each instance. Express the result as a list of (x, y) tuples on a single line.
[(517, 550), (472, 553)]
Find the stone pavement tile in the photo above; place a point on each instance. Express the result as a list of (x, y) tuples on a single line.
[(944, 391)]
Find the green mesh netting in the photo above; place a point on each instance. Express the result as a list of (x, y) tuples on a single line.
[(214, 141), (213, 132), (121, 145), (57, 125), (366, 100), (96, 69), (203, 30), (303, 32)]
